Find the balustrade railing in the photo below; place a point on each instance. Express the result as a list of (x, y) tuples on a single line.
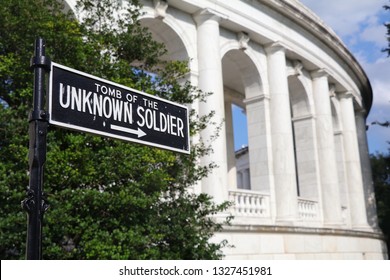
[(250, 203), (308, 209)]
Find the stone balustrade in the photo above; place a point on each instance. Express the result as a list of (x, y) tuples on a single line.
[(250, 203), (308, 209)]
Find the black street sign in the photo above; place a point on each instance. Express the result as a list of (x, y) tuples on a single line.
[(87, 103)]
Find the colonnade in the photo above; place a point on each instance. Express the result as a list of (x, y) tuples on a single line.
[(279, 178)]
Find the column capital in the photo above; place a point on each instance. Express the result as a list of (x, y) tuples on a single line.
[(319, 73), (274, 47), (208, 14)]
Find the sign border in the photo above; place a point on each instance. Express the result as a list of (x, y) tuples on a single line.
[(106, 134)]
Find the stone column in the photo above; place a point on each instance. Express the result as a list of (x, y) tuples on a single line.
[(210, 80), (259, 142), (368, 183), (282, 137), (231, 158), (246, 179), (352, 163), (326, 150)]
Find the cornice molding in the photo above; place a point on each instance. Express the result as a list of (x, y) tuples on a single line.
[(304, 230)]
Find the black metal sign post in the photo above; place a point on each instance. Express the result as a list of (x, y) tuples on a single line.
[(35, 203)]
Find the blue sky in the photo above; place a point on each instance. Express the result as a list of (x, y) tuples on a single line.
[(360, 25)]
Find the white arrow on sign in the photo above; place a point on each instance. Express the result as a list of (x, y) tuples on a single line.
[(138, 132)]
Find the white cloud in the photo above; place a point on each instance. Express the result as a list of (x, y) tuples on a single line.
[(379, 74), (378, 136), (346, 16), (375, 33)]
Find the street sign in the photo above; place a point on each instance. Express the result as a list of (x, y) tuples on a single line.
[(83, 102)]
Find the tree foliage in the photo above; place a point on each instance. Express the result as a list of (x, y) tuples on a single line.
[(381, 174), (387, 25), (380, 164), (108, 199)]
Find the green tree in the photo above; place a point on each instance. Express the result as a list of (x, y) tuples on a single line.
[(387, 25), (380, 164), (381, 175), (108, 199)]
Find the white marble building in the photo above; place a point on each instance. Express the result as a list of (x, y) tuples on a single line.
[(308, 190)]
